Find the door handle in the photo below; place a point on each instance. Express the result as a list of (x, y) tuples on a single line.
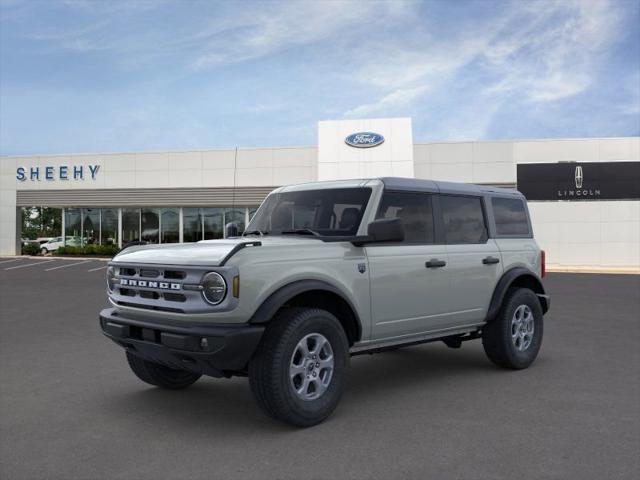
[(490, 260), (435, 263)]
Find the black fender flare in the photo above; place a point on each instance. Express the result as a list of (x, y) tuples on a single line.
[(280, 297), (508, 278)]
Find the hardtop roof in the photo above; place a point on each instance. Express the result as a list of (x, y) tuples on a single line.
[(408, 184)]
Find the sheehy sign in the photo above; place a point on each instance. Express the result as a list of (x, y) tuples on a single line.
[(580, 181), (59, 172)]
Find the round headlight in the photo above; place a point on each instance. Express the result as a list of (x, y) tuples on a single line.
[(111, 275), (214, 288)]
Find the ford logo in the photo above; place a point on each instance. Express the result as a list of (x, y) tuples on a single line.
[(364, 139)]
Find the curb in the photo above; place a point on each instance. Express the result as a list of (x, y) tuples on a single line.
[(54, 257), (601, 270)]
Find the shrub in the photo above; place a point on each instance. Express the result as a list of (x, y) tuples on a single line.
[(31, 249), (102, 250)]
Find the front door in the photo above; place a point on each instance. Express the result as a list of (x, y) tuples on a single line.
[(409, 280)]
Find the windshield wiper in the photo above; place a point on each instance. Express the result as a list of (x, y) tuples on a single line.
[(301, 231), (255, 232)]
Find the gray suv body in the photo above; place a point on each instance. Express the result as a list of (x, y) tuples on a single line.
[(325, 271)]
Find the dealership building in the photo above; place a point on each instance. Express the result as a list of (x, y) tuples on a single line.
[(584, 194)]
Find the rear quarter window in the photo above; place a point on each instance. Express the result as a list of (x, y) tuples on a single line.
[(510, 216)]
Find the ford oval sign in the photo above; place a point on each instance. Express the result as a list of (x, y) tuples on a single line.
[(364, 139)]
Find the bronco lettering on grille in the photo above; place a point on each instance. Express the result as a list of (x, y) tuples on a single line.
[(129, 282)]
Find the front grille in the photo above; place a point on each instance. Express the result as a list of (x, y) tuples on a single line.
[(156, 287)]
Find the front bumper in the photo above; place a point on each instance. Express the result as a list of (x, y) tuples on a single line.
[(214, 350)]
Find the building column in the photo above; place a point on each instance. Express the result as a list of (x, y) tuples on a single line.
[(64, 227), (180, 227), (119, 228)]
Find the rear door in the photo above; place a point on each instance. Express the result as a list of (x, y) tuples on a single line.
[(475, 264), (409, 279)]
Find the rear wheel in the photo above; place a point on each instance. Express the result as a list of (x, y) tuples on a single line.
[(514, 337), (159, 375), (299, 370)]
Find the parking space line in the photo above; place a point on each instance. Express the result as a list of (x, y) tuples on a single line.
[(65, 266), (30, 264), (96, 269), (9, 261)]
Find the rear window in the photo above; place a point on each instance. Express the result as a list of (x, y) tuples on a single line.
[(510, 216), (463, 219)]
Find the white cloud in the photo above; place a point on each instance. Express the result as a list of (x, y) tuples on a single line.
[(396, 99), (256, 33), (536, 51)]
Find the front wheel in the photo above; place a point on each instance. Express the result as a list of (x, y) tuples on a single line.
[(159, 375), (299, 370), (513, 338), (44, 251)]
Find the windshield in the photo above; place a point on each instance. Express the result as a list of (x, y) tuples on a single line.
[(327, 212)]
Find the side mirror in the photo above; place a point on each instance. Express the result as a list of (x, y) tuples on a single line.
[(232, 229), (384, 230)]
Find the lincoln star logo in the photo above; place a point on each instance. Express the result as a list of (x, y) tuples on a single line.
[(579, 177), (129, 282), (364, 140)]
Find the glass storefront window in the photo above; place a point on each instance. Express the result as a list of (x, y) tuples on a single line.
[(109, 226), (191, 225), (236, 215), (252, 212), (213, 223), (72, 226), (130, 225), (90, 226), (170, 224), (150, 225)]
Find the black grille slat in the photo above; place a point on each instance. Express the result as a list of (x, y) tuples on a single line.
[(175, 274), (148, 273), (174, 297), (149, 294)]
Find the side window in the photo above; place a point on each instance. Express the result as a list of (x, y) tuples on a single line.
[(463, 219), (416, 212), (510, 216)]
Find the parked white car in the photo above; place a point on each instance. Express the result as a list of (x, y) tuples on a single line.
[(57, 242)]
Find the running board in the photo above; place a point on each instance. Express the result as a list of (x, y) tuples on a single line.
[(468, 332)]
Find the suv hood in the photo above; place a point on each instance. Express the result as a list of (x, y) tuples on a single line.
[(203, 253)]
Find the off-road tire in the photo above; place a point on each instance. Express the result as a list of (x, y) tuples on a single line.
[(269, 374), (497, 334), (159, 375)]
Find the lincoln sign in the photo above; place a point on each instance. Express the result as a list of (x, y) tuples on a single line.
[(580, 181)]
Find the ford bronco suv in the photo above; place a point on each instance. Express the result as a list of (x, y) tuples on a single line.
[(325, 271)]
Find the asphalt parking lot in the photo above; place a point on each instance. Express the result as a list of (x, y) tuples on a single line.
[(71, 409)]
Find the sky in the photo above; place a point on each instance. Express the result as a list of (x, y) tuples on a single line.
[(89, 76)]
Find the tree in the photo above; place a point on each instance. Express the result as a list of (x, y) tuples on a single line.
[(41, 222)]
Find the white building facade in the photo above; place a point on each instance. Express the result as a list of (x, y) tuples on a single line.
[(584, 194)]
